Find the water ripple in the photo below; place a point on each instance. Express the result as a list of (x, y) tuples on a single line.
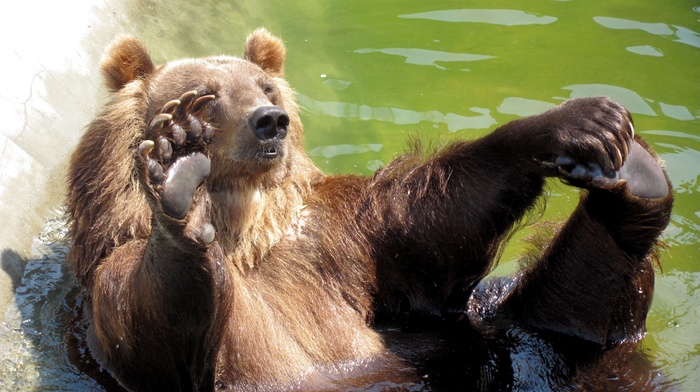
[(454, 122), (33, 356), (683, 35), (645, 50), (427, 57), (343, 149), (497, 17), (626, 97), (523, 106), (626, 24)]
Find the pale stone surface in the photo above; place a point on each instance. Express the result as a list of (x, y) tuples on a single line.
[(50, 91)]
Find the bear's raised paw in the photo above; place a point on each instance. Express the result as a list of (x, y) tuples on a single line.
[(176, 160), (641, 174)]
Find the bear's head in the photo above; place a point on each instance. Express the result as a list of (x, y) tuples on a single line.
[(257, 132)]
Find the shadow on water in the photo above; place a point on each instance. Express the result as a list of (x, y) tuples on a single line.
[(11, 262), (41, 335), (33, 331)]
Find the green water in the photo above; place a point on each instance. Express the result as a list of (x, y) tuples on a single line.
[(371, 75)]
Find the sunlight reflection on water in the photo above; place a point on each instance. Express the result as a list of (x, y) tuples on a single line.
[(454, 122), (497, 17)]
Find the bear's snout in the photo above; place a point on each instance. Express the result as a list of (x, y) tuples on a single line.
[(269, 122)]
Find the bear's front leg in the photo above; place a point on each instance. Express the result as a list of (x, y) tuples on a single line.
[(444, 219), (156, 302), (594, 281), (577, 140), (175, 164)]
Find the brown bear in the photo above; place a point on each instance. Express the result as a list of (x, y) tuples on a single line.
[(213, 254)]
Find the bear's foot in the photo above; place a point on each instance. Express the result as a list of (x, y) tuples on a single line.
[(641, 174), (176, 160)]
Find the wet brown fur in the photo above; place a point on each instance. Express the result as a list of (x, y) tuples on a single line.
[(302, 264)]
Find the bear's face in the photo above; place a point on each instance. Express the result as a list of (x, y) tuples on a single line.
[(254, 117), (254, 122)]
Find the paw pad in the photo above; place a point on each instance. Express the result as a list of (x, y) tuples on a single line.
[(590, 173), (640, 173), (176, 159)]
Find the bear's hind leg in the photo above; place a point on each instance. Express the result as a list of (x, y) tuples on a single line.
[(645, 178), (595, 280)]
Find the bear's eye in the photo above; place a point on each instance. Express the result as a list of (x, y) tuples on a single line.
[(269, 89)]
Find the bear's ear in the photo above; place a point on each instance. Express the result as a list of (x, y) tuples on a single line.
[(267, 51), (126, 59)]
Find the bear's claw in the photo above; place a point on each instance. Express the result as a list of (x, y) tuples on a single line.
[(170, 106), (160, 119), (178, 118), (640, 173), (155, 170), (176, 160)]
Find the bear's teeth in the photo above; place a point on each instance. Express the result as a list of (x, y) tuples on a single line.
[(269, 151)]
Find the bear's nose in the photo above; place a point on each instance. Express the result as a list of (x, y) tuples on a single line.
[(269, 122)]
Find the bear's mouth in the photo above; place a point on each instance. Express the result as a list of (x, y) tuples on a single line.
[(271, 150)]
